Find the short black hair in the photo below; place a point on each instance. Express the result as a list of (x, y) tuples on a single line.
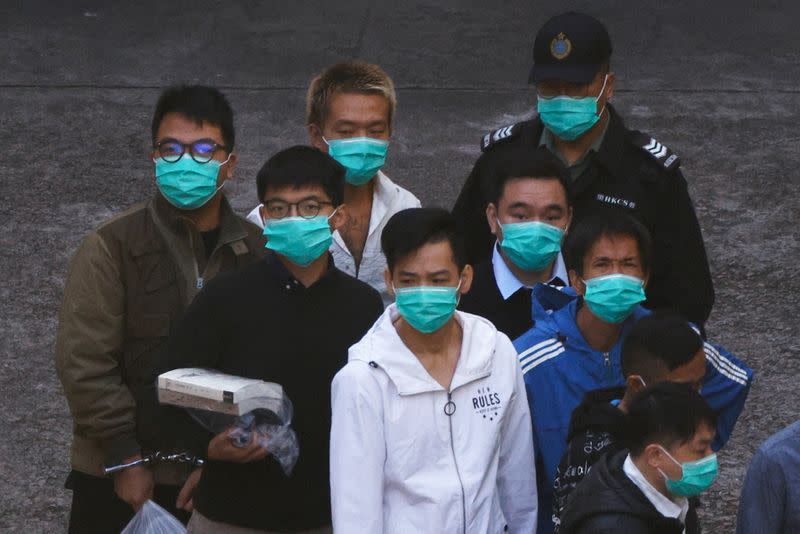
[(539, 163), (302, 166), (408, 230), (198, 103), (608, 222), (666, 413), (659, 343)]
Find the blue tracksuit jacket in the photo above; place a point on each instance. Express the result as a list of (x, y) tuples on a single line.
[(560, 368)]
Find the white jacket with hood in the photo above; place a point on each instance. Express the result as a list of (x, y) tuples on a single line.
[(408, 456)]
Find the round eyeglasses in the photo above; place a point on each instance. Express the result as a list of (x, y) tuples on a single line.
[(307, 209), (202, 151)]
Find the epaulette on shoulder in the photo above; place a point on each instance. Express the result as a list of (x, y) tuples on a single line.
[(656, 150), (498, 136)]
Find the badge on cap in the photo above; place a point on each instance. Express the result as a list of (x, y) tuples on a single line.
[(561, 46)]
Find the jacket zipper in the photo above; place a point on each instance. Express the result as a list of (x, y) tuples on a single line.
[(607, 363), (449, 414), (199, 280)]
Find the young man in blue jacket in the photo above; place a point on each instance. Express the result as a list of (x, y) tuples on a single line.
[(575, 346)]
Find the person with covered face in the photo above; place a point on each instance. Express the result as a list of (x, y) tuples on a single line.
[(131, 279), (431, 430), (610, 166), (648, 488), (529, 214), (661, 347), (288, 319), (575, 345), (350, 115)]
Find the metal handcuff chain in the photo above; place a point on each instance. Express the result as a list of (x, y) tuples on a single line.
[(155, 458)]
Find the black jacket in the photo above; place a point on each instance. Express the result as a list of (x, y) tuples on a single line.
[(632, 172), (262, 323), (607, 502), (595, 429), (513, 317)]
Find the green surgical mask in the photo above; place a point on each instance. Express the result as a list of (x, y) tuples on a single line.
[(613, 297), (426, 308), (531, 245), (362, 157), (187, 184), (697, 476), (301, 240), (569, 118)]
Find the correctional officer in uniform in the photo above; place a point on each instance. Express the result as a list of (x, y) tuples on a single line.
[(610, 166)]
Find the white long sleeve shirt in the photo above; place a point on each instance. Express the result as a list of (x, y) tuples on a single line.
[(409, 456)]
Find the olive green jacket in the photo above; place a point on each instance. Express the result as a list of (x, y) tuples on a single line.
[(128, 282)]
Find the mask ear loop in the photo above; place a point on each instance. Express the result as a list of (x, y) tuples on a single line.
[(224, 181), (220, 187), (500, 225), (676, 462), (602, 90), (458, 289)]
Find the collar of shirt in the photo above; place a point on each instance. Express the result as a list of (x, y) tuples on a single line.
[(576, 169), (508, 283), (665, 506), (278, 272)]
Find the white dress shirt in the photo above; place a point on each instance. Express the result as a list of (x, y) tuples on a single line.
[(508, 283), (387, 199), (677, 508)]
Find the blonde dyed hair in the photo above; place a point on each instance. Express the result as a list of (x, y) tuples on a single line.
[(347, 77)]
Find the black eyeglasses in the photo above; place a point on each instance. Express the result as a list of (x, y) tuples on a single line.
[(202, 151), (307, 209)]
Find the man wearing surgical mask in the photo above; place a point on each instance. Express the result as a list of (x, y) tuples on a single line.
[(431, 429), (609, 165), (529, 213), (661, 347), (129, 281), (350, 114), (669, 430), (289, 319), (575, 345)]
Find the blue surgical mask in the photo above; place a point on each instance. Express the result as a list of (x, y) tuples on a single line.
[(187, 184), (697, 476), (362, 157), (613, 297), (531, 245), (426, 308), (569, 118), (301, 240)]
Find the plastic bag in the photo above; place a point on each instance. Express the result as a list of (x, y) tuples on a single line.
[(269, 424), (152, 519)]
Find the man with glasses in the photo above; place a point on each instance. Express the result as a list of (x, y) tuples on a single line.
[(288, 319), (610, 166), (350, 113), (129, 281)]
